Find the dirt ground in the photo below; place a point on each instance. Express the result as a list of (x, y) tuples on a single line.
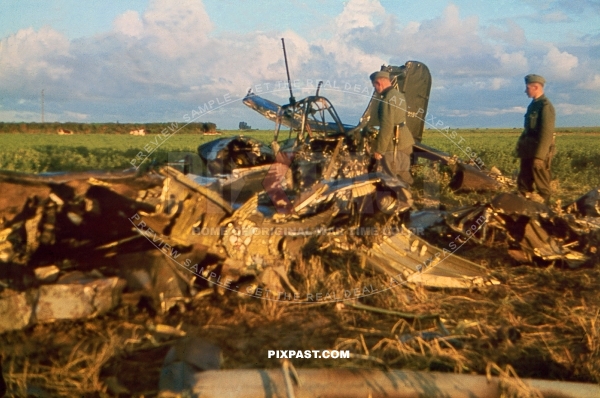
[(542, 321)]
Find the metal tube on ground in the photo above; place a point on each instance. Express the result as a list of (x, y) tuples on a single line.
[(348, 383)]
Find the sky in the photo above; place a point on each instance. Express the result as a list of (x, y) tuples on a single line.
[(142, 61)]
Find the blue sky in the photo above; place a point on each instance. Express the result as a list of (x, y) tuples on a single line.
[(158, 60)]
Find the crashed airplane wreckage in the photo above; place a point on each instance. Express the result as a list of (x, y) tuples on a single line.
[(324, 166), (84, 238), (321, 149), (314, 117), (89, 238), (256, 206), (71, 244), (318, 140)]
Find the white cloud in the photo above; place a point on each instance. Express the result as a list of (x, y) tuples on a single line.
[(359, 14), (501, 111), (488, 112), (443, 37), (512, 63), (559, 64), (76, 116), (33, 56), (347, 60), (510, 33), (129, 23), (592, 84), (22, 116), (339, 56), (176, 29), (448, 44), (174, 52), (555, 16), (412, 27), (576, 109), (498, 83)]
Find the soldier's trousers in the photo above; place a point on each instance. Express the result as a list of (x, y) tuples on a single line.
[(400, 168), (530, 178)]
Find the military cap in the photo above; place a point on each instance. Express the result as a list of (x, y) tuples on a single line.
[(379, 75), (535, 79)]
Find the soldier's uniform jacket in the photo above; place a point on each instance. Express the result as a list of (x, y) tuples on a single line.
[(390, 112), (537, 138)]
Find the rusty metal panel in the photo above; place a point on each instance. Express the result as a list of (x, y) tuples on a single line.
[(77, 300), (469, 178), (408, 258)]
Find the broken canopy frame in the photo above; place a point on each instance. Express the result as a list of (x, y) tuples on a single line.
[(311, 116)]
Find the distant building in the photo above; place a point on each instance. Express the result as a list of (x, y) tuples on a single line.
[(244, 126), (138, 132)]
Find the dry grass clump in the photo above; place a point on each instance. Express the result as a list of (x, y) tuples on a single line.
[(74, 372), (541, 323)]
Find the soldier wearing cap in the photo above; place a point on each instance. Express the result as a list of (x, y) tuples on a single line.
[(535, 146), (390, 114)]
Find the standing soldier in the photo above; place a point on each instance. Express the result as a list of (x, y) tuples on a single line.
[(535, 147), (394, 142)]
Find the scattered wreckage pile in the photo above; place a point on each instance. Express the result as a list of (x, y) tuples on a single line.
[(71, 243), (241, 218)]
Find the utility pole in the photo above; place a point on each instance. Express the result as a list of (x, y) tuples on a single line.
[(42, 105)]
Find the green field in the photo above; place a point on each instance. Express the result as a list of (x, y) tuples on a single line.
[(576, 167)]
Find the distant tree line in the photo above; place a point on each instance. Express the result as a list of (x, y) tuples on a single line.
[(105, 128)]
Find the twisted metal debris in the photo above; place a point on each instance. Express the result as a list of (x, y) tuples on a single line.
[(250, 213)]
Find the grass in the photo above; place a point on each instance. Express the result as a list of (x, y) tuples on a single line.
[(37, 153), (576, 166)]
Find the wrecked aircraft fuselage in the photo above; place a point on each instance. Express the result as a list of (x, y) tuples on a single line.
[(319, 149)]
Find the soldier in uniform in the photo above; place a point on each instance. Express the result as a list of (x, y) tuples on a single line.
[(391, 114), (535, 146)]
